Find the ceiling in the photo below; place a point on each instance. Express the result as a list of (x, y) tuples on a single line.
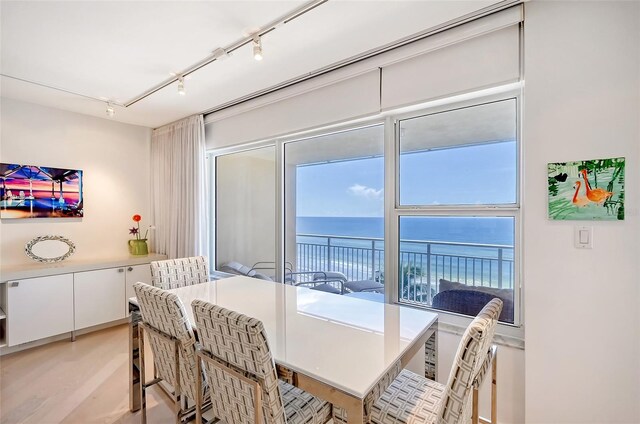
[(118, 50)]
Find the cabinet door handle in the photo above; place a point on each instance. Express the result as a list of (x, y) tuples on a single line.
[(14, 284), (130, 269), (120, 269)]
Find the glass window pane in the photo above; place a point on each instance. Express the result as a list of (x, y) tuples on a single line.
[(457, 264), (460, 157), (246, 208), (334, 205)]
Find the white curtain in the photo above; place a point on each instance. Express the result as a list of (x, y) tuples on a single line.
[(178, 189)]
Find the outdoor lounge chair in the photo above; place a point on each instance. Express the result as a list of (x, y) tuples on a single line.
[(239, 269), (351, 286), (327, 282), (320, 280)]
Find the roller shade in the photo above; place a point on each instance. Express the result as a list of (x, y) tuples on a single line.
[(484, 61), (348, 99), (478, 54)]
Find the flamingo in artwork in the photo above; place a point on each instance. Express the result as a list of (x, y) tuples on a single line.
[(597, 195), (579, 201)]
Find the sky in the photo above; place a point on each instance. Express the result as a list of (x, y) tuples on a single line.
[(480, 174)]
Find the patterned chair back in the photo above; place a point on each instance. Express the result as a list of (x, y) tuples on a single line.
[(468, 362), (164, 312), (238, 342), (174, 273)]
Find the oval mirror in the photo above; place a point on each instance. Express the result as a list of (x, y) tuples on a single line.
[(49, 249)]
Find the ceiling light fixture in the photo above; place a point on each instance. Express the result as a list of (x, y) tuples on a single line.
[(110, 110), (181, 86), (257, 47)]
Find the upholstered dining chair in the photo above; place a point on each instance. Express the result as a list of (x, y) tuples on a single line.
[(174, 273), (239, 366), (411, 398), (165, 322)]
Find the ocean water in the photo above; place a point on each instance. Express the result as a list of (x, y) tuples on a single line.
[(461, 230), (476, 250)]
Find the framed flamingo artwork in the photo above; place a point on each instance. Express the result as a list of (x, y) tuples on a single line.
[(587, 190)]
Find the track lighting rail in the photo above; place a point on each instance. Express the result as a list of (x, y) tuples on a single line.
[(216, 54)]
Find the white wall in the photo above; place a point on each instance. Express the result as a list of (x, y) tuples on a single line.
[(115, 161), (582, 101)]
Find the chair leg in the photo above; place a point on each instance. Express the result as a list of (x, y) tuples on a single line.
[(474, 410), (494, 389), (494, 395), (198, 390), (177, 390), (143, 396)]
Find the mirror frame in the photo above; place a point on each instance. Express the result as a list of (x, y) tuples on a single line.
[(28, 249)]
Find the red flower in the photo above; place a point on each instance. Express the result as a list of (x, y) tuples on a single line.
[(137, 218)]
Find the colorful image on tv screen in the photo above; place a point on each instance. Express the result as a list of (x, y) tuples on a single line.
[(28, 191)]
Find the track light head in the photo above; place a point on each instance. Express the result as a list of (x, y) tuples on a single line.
[(257, 47), (110, 110), (181, 86)]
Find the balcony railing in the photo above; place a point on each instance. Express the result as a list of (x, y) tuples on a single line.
[(422, 263)]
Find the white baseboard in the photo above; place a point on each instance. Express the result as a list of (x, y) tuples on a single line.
[(6, 350)]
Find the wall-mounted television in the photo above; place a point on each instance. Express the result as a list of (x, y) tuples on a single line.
[(28, 191)]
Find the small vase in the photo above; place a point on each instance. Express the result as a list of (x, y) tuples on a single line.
[(138, 247)]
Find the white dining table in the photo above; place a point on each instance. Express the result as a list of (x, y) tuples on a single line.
[(337, 347)]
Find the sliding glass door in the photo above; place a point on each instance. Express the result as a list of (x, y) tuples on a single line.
[(334, 207), (246, 210)]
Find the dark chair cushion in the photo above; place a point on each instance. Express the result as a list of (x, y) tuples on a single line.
[(469, 302), (503, 294)]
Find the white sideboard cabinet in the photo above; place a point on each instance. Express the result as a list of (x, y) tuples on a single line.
[(39, 307), (44, 300), (97, 297)]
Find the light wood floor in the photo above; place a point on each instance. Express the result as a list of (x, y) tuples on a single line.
[(80, 382)]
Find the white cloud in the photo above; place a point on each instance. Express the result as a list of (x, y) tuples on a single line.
[(366, 192)]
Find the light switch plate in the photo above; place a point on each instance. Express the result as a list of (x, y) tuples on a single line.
[(583, 237)]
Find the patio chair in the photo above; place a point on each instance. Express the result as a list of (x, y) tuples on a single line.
[(237, 268), (330, 283), (412, 398), (242, 373), (350, 286)]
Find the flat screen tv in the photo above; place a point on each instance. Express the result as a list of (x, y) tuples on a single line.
[(29, 191)]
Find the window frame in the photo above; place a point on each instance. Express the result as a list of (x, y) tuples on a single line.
[(394, 210), (309, 135)]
